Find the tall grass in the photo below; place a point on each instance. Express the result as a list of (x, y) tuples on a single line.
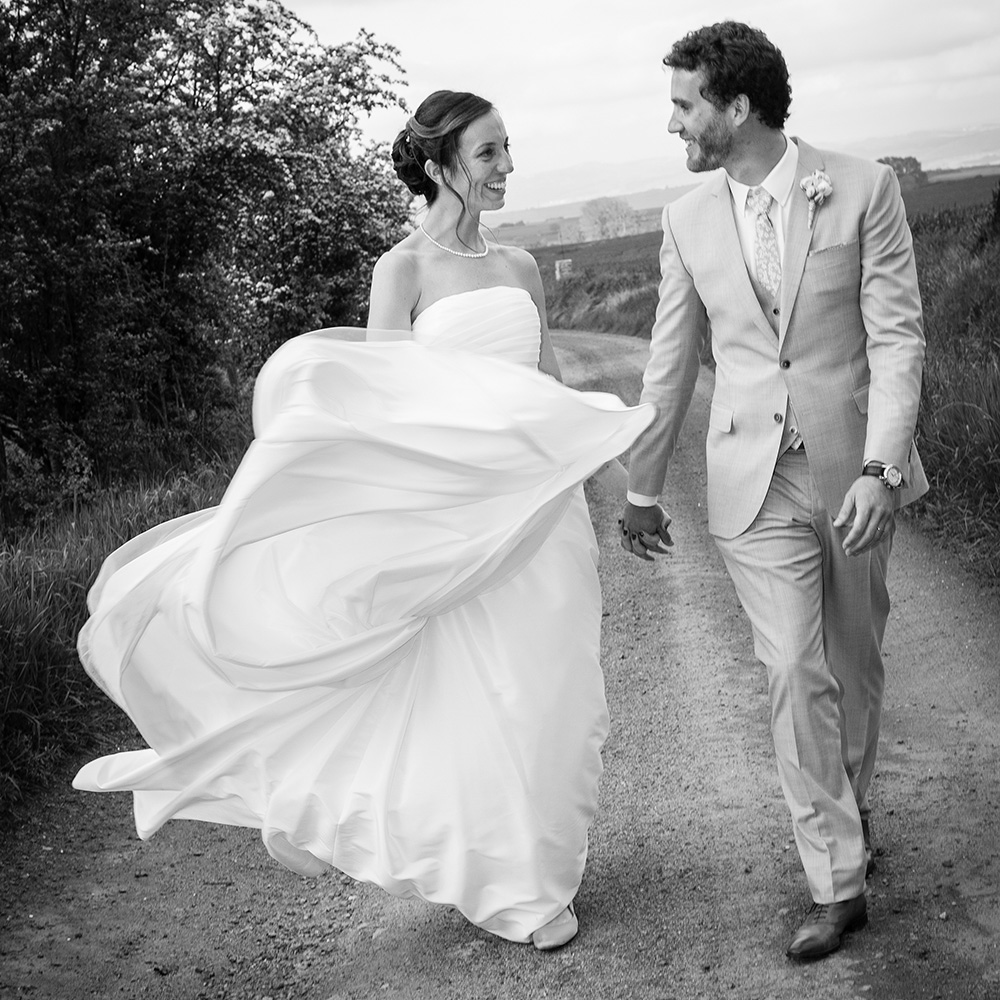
[(47, 703), (958, 263), (618, 301)]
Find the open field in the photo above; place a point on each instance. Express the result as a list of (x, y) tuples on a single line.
[(950, 191), (959, 191)]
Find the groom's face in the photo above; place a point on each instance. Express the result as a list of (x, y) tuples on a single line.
[(707, 132)]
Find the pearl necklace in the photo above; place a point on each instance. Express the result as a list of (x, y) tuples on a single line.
[(457, 253)]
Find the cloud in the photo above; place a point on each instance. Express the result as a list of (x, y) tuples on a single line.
[(578, 82)]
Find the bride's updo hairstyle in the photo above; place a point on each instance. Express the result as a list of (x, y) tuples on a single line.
[(433, 133)]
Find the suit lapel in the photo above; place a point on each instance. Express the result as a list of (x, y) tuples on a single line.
[(731, 252), (798, 235)]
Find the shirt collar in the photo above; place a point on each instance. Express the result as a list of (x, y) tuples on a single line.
[(778, 183)]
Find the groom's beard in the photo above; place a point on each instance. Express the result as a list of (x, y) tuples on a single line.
[(712, 148)]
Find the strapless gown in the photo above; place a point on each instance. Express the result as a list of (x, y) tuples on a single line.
[(381, 648)]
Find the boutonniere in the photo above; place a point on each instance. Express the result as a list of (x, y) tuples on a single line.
[(818, 187)]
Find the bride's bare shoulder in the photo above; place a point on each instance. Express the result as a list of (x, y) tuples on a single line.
[(519, 260), (401, 266), (397, 280), (404, 256)]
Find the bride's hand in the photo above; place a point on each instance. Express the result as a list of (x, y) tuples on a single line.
[(644, 530)]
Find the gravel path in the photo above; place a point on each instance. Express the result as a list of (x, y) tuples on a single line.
[(693, 884)]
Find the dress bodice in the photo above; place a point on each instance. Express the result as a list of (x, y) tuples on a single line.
[(500, 321)]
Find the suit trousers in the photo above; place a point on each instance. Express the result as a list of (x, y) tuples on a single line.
[(818, 619)]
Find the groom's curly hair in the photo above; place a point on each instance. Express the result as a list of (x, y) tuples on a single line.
[(737, 59)]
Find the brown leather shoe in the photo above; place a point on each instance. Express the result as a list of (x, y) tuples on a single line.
[(824, 926), (869, 853)]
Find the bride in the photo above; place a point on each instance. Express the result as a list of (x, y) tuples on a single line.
[(381, 648)]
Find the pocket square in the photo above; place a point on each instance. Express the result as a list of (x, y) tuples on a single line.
[(830, 249)]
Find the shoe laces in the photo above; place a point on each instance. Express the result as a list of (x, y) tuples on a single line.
[(817, 912)]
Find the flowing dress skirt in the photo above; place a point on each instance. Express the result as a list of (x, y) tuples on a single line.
[(381, 648)]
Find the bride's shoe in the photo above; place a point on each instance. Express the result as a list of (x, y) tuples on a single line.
[(558, 931)]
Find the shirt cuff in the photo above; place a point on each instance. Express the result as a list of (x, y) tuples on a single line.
[(639, 500)]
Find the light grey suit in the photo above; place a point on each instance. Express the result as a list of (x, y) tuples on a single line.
[(844, 346)]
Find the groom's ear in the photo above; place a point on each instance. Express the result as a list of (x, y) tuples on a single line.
[(740, 109)]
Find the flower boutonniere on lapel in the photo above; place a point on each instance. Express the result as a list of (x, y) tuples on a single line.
[(818, 187)]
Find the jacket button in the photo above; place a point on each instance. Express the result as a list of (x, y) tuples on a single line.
[(778, 418), (786, 364)]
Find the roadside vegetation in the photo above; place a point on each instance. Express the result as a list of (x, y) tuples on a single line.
[(185, 190), (185, 186), (958, 428), (49, 705)]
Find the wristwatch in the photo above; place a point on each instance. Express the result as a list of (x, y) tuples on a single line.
[(889, 475)]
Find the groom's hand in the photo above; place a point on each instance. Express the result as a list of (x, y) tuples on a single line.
[(644, 530), (868, 511)]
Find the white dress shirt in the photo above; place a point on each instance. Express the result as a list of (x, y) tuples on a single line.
[(778, 184)]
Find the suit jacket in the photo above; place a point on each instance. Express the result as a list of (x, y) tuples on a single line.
[(848, 349)]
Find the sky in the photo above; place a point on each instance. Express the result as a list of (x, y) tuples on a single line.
[(582, 81)]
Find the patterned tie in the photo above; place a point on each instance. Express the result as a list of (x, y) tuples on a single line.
[(765, 247)]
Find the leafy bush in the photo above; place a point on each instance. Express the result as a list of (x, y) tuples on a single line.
[(184, 188)]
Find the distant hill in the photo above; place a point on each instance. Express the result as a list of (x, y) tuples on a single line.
[(543, 228), (639, 200), (970, 147), (560, 224), (559, 193), (947, 189), (651, 183)]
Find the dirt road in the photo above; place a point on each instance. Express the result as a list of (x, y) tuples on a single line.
[(693, 884)]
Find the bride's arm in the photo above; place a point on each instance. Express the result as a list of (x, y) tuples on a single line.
[(393, 295), (547, 356), (613, 476), (528, 272)]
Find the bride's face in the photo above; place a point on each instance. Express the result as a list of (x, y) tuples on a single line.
[(480, 176)]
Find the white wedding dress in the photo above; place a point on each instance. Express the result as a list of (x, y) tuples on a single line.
[(381, 648)]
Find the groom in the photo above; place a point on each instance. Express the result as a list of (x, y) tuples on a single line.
[(799, 264)]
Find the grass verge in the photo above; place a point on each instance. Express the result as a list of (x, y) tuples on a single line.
[(48, 705)]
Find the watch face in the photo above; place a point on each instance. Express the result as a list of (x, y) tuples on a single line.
[(892, 476)]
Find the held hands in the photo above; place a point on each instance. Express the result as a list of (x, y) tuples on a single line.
[(871, 505), (644, 529)]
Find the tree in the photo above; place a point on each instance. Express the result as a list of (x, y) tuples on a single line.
[(605, 218), (185, 186), (907, 168)]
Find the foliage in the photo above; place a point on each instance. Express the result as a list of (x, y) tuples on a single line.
[(48, 703), (623, 302), (606, 218), (184, 188), (907, 167), (958, 263)]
